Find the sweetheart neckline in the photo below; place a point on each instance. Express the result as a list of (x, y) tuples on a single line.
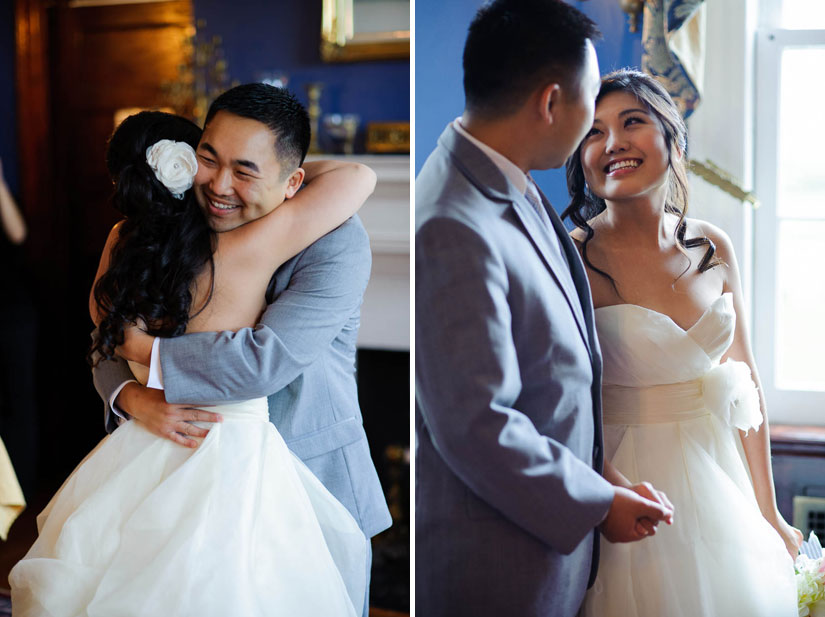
[(665, 315)]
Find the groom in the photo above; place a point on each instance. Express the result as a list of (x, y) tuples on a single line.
[(508, 369), (301, 354)]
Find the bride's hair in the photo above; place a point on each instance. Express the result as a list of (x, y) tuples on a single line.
[(584, 205), (162, 244)]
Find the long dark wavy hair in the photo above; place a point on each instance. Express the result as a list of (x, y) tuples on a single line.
[(584, 205), (162, 244)]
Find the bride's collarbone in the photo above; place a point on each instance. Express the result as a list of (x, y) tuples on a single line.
[(684, 299)]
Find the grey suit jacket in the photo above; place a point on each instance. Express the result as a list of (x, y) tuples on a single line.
[(301, 355), (508, 408)]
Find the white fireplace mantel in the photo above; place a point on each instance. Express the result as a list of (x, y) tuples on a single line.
[(385, 313)]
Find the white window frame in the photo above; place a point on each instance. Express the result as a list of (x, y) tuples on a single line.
[(785, 406)]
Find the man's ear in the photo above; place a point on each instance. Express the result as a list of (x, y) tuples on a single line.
[(548, 102), (296, 179)]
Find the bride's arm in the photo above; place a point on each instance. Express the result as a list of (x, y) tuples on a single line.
[(334, 191), (756, 443), (614, 476)]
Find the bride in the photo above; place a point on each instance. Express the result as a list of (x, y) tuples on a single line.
[(238, 526), (681, 402)]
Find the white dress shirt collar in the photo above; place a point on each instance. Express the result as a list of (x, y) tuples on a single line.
[(507, 167)]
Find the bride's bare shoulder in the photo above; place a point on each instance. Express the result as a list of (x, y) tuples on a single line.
[(721, 240)]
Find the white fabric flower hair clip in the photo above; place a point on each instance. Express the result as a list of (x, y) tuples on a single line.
[(174, 164)]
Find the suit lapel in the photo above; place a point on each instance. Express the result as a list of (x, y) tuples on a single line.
[(556, 263), (579, 277), (576, 269), (488, 178), (586, 302)]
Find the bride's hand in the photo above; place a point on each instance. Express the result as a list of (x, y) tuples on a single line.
[(137, 344), (790, 535), (646, 490)]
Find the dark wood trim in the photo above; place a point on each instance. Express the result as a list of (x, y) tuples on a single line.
[(359, 51), (798, 440), (34, 122), (381, 612)]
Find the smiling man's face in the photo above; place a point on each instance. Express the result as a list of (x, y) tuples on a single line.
[(239, 177)]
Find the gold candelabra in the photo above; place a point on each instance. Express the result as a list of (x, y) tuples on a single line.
[(201, 78), (314, 90), (633, 8)]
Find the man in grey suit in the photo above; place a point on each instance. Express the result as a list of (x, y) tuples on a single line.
[(302, 352), (509, 494)]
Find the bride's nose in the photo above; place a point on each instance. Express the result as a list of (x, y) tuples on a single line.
[(615, 142)]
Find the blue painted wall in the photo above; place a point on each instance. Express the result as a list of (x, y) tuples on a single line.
[(261, 35), (440, 30), (258, 35), (8, 124)]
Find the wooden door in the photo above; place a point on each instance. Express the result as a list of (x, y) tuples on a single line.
[(107, 58)]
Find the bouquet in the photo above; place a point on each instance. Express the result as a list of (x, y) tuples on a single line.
[(810, 578)]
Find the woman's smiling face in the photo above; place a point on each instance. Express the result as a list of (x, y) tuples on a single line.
[(625, 154)]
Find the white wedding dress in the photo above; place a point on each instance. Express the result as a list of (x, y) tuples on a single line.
[(671, 417), (237, 526)]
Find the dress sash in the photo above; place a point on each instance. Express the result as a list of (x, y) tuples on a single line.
[(727, 391)]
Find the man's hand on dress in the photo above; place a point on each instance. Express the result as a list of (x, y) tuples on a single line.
[(164, 419), (634, 516)]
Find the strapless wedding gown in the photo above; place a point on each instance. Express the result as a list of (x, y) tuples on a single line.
[(237, 526), (671, 417)]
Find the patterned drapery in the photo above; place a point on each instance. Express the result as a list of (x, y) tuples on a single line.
[(673, 42)]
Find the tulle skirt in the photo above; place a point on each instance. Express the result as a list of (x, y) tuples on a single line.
[(720, 558), (238, 526)]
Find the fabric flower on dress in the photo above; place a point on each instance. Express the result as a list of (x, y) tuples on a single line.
[(174, 164), (729, 392)]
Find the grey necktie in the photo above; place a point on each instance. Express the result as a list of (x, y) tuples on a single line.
[(532, 195)]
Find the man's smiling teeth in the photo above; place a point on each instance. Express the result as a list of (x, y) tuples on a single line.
[(622, 164), (221, 206)]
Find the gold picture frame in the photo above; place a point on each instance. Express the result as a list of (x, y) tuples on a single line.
[(388, 137), (341, 42)]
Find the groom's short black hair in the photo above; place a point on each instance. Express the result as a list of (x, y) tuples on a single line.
[(278, 109), (515, 46)]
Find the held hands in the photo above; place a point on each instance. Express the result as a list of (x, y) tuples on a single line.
[(170, 421), (646, 490), (635, 512)]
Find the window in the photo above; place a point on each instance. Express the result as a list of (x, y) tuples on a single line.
[(789, 242)]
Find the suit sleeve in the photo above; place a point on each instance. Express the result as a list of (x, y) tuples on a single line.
[(325, 290), (468, 381), (108, 376)]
